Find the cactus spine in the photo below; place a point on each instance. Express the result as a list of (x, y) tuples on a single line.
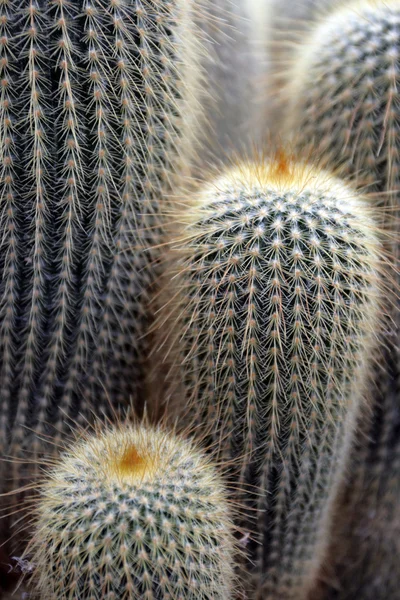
[(98, 111), (133, 512), (343, 105), (266, 324)]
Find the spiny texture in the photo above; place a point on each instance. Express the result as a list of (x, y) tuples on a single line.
[(97, 114), (133, 513), (344, 106), (266, 323)]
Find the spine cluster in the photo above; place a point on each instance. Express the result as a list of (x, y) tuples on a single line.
[(267, 321)]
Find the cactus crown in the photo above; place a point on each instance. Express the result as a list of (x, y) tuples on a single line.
[(133, 512), (279, 228)]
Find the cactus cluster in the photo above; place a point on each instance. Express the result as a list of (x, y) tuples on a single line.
[(267, 321), (270, 345), (133, 512), (99, 104)]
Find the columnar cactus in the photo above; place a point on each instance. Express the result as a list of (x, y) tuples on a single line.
[(343, 105), (133, 512), (365, 547), (267, 321), (99, 105), (231, 77)]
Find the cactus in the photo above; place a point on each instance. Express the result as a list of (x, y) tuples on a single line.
[(231, 78), (285, 23), (365, 545), (267, 319), (342, 96), (341, 92), (98, 111), (132, 512)]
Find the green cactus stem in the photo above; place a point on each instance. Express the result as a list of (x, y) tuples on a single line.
[(267, 320)]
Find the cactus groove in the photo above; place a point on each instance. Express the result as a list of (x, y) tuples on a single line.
[(267, 321)]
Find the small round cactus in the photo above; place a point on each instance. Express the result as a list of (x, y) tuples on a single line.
[(268, 317), (133, 512)]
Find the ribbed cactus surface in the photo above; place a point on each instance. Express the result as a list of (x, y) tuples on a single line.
[(343, 106), (98, 109), (130, 513), (266, 323), (364, 557)]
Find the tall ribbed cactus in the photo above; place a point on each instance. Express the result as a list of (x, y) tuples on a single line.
[(267, 320), (98, 112), (130, 513), (343, 105)]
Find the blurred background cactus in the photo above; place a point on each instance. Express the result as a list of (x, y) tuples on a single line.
[(132, 512), (345, 74), (268, 319)]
